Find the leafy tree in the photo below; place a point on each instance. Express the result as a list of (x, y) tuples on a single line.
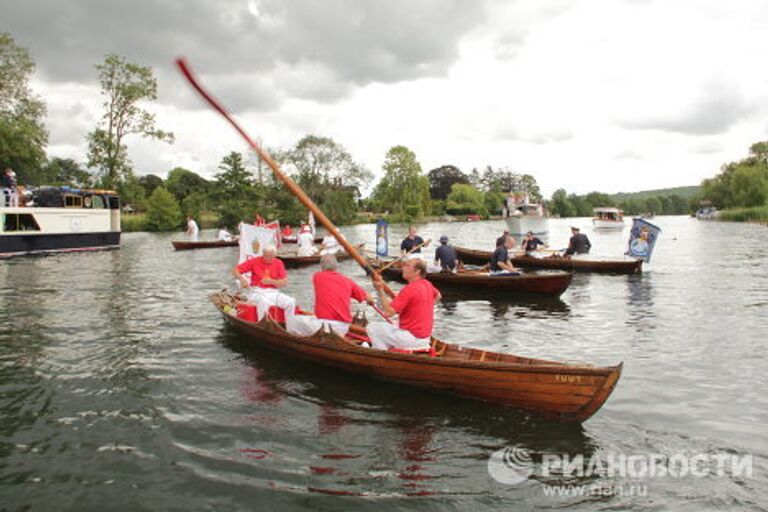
[(124, 85), (236, 194), (560, 205), (653, 205), (63, 171), (322, 160), (442, 179), (749, 185), (403, 191), (149, 183), (163, 213), (131, 192), (23, 137), (465, 199), (182, 183), (598, 199)]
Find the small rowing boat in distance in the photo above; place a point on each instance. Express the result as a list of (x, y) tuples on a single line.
[(551, 284), (578, 264), (181, 245), (293, 261), (294, 240), (563, 392)]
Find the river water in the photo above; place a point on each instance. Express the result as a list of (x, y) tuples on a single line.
[(122, 389)]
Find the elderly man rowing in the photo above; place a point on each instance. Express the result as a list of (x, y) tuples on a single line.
[(333, 294), (415, 306), (267, 275)]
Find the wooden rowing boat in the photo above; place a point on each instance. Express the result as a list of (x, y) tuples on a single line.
[(292, 261), (552, 284), (318, 240), (563, 392), (180, 245), (603, 265)]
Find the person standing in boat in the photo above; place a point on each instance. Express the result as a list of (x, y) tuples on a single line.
[(224, 235), (192, 229), (579, 243), (445, 256), (414, 306), (333, 295), (10, 196), (411, 241), (531, 243), (267, 276), (500, 259), (330, 245), (306, 242), (500, 241)]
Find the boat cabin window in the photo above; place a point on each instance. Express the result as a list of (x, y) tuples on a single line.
[(20, 222), (73, 201), (114, 202), (97, 202)]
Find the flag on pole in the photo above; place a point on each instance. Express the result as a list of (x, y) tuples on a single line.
[(382, 240), (642, 239), (253, 239)]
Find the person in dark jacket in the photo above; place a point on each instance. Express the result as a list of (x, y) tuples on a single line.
[(445, 255), (579, 243), (531, 243), (500, 260), (502, 238)]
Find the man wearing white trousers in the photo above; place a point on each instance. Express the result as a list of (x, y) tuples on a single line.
[(333, 294), (267, 275), (414, 306)]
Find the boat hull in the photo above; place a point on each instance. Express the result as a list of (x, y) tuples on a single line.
[(520, 225), (619, 266), (43, 243), (608, 224), (181, 245), (563, 392), (549, 284)]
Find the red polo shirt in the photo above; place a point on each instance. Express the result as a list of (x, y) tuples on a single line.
[(333, 292), (257, 267), (415, 304)]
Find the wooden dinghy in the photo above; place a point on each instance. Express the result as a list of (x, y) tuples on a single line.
[(563, 392), (552, 284), (293, 261), (180, 245), (318, 240), (597, 265)]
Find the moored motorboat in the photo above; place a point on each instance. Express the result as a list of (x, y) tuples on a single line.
[(552, 284), (564, 392), (523, 216), (608, 218), (555, 262)]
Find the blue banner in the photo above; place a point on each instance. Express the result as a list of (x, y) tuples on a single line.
[(382, 238), (642, 238)]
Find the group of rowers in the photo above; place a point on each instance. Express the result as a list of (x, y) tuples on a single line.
[(414, 304)]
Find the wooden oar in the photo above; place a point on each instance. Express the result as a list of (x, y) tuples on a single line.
[(286, 180), (422, 244)]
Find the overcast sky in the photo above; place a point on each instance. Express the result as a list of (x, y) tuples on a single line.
[(614, 95)]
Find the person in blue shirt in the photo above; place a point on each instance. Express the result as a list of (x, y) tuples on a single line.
[(411, 241), (445, 255), (531, 243), (500, 258)]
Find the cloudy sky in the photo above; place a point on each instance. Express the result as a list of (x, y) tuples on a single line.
[(614, 95)]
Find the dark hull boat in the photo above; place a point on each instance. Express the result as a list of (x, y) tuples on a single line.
[(563, 392), (551, 284), (180, 245), (606, 266)]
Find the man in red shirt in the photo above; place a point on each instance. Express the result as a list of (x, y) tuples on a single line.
[(333, 293), (267, 275), (415, 306)]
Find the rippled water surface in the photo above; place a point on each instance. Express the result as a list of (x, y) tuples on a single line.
[(121, 388)]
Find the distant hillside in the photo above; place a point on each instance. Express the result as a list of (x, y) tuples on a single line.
[(684, 192)]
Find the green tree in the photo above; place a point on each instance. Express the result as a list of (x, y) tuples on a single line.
[(23, 137), (653, 205), (131, 192), (442, 179), (163, 213), (124, 86), (182, 183), (465, 199), (749, 185), (150, 182), (404, 190), (235, 192), (64, 171), (560, 205)]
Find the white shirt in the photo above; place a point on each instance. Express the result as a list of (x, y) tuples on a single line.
[(192, 229), (224, 235)]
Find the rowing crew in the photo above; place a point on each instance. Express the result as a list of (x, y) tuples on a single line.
[(414, 305)]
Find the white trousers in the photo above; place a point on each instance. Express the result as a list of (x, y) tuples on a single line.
[(385, 335), (306, 325), (264, 298), (306, 251)]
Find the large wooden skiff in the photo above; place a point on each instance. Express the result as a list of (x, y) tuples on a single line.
[(607, 266), (552, 284), (564, 392), (181, 245)]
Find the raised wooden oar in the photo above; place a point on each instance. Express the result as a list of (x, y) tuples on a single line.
[(422, 244), (286, 180)]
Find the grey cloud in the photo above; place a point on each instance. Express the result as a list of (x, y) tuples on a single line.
[(356, 42), (714, 112)]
